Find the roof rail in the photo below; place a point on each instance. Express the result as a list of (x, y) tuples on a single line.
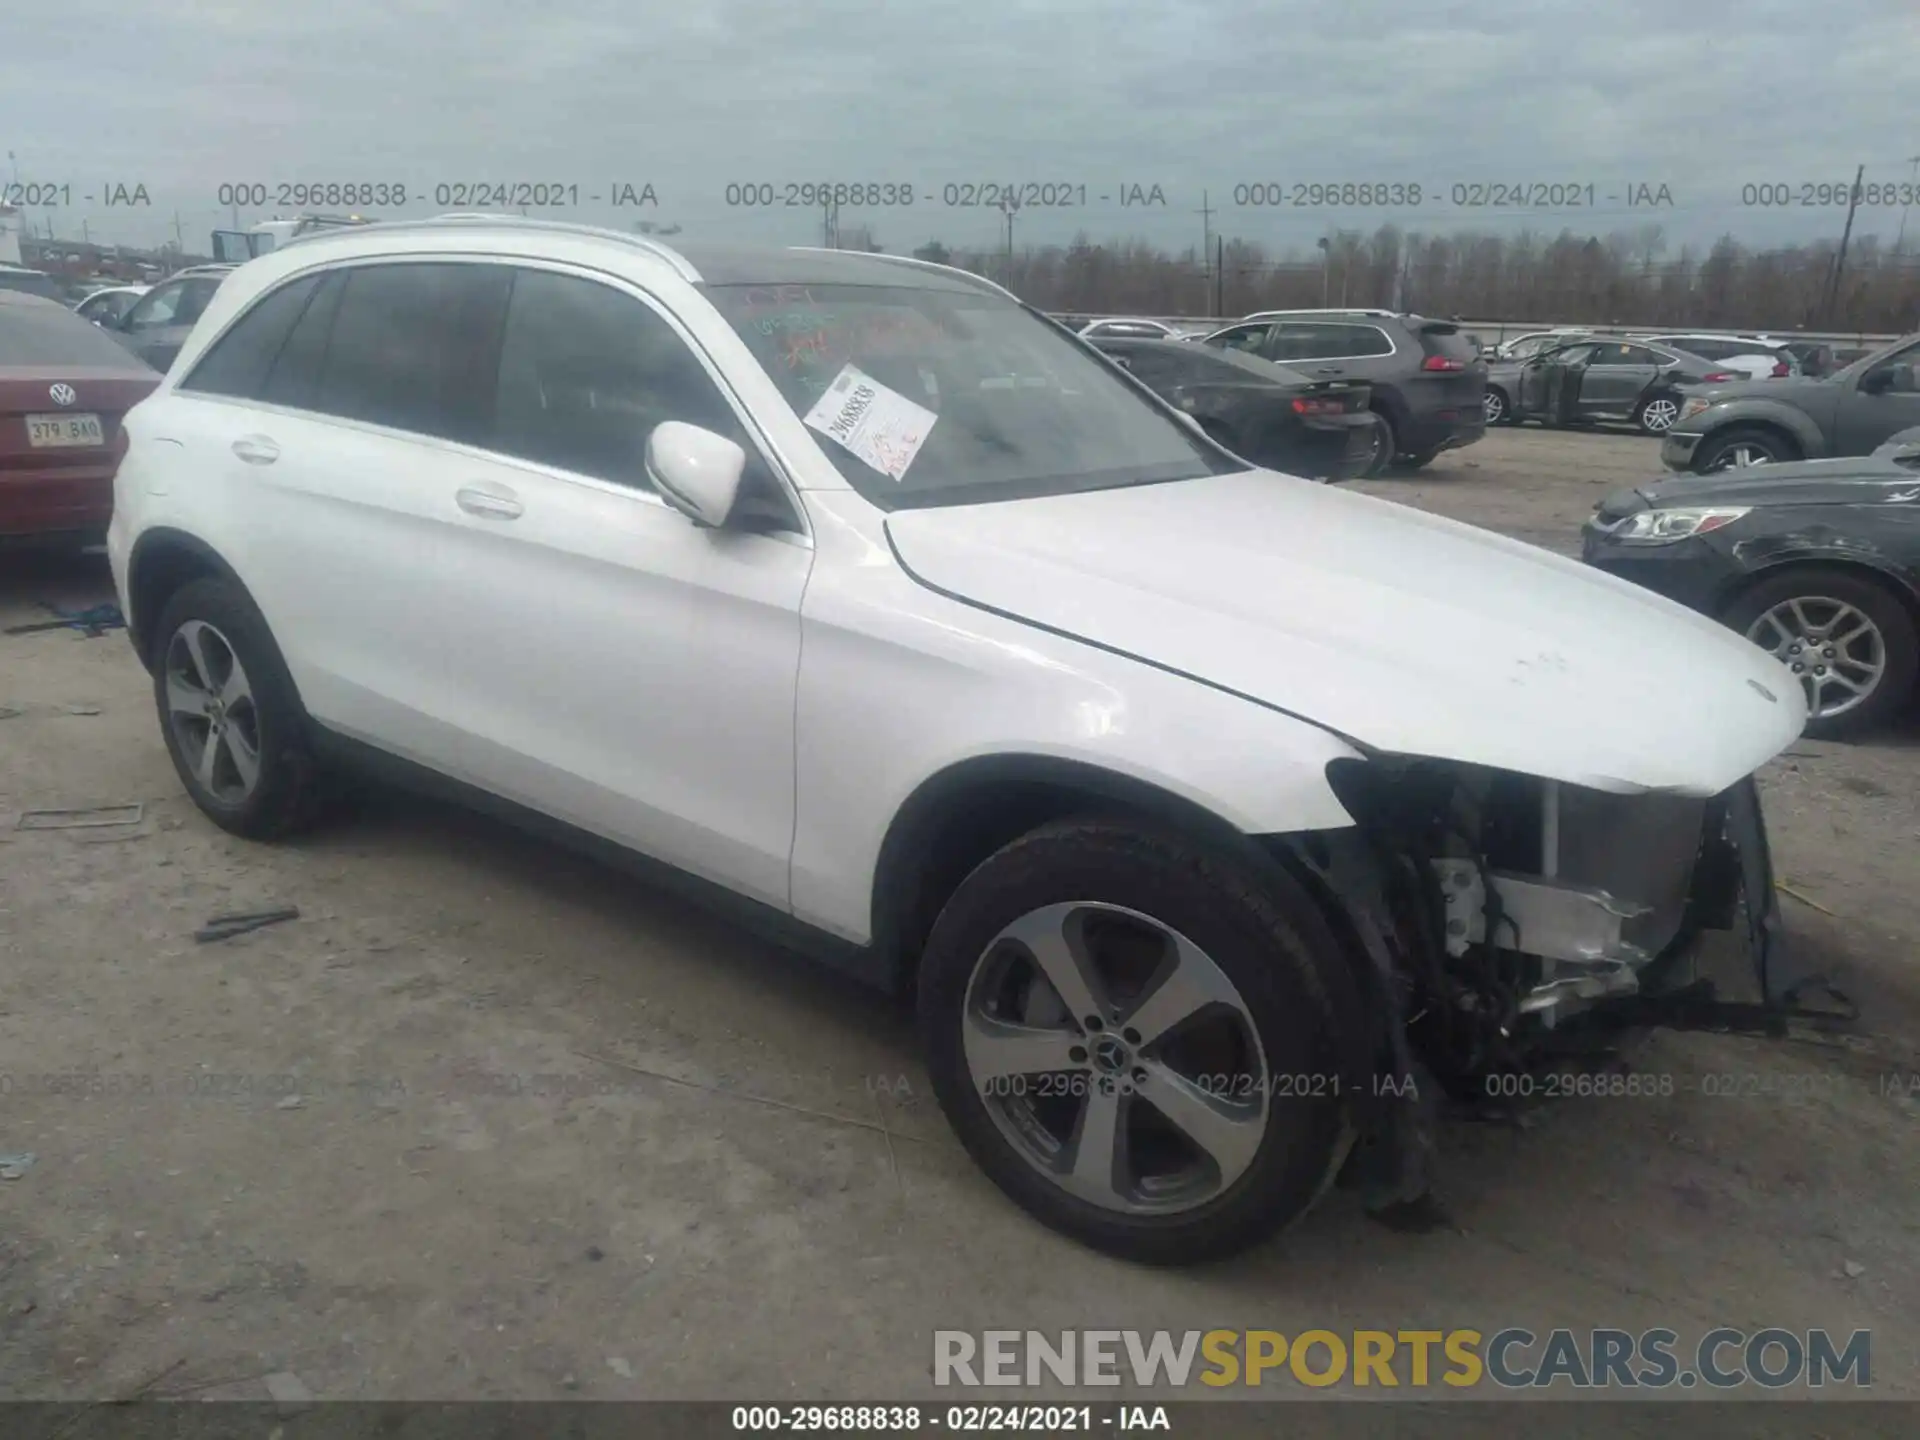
[(476, 219), (916, 263), (1334, 310)]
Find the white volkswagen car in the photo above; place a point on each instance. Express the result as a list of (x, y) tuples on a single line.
[(1212, 817)]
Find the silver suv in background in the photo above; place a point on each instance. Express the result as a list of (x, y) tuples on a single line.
[(1753, 357)]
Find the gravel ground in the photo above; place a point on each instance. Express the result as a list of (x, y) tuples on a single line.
[(489, 1121)]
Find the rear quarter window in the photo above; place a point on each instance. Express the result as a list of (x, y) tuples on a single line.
[(241, 359)]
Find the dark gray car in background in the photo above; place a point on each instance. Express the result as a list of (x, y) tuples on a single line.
[(1428, 381), (1598, 378), (1762, 422)]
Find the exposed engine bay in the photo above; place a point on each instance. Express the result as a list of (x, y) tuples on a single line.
[(1500, 911)]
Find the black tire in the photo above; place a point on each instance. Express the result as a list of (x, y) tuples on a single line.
[(1386, 444), (1873, 600), (1770, 445), (287, 793), (1260, 929)]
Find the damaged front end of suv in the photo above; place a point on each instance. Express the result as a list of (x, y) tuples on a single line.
[(1505, 918)]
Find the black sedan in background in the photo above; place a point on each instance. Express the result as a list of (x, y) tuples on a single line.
[(1265, 413), (1817, 561)]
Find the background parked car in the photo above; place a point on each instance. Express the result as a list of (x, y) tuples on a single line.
[(1766, 422), (1817, 358), (1117, 329), (158, 323), (29, 282), (1818, 562), (1265, 413), (63, 389), (1429, 388), (111, 303), (1523, 347), (1755, 358), (1598, 379)]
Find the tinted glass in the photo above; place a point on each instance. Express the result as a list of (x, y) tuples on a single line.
[(1317, 341), (1241, 337), (294, 376), (413, 348), (1614, 355), (1640, 355), (37, 332), (240, 360), (586, 372), (1011, 405)]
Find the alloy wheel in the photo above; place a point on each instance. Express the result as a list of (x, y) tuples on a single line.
[(1658, 416), (1116, 1058), (1496, 406), (1835, 651), (211, 710), (1734, 457)]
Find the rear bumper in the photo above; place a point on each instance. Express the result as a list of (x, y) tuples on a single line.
[(55, 501), (1447, 429)]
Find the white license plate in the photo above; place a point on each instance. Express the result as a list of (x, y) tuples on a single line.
[(45, 431)]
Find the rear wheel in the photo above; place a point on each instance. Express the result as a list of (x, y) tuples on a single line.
[(1740, 446), (1849, 641), (1132, 1035), (229, 713), (1657, 414), (1497, 407), (1386, 443)]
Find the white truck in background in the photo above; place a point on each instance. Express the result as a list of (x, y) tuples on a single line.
[(236, 247)]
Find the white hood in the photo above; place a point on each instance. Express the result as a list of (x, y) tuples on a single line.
[(1401, 630)]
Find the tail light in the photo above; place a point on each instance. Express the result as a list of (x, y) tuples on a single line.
[(1721, 377), (1318, 405), (1780, 370), (1442, 362)]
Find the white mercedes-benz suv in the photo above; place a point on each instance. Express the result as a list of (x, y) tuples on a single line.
[(1217, 820)]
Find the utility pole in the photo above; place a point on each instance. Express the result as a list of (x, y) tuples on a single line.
[(830, 224), (1009, 207), (1913, 182), (1326, 259), (1206, 241), (1846, 234), (179, 243), (1220, 277)]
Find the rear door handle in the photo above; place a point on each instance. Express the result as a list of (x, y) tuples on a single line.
[(491, 502), (256, 449)]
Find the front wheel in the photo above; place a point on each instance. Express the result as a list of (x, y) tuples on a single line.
[(1386, 443), (1741, 446), (1849, 642), (1132, 1035), (1496, 406)]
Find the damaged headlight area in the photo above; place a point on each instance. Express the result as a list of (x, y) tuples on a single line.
[(1496, 906), (1663, 527)]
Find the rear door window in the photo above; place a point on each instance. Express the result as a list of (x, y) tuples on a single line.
[(240, 360), (415, 347), (157, 307)]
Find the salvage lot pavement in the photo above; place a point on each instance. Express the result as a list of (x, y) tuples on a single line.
[(490, 1121)]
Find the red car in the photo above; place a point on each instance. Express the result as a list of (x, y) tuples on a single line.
[(64, 384)]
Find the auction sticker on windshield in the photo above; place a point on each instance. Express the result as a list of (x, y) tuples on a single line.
[(877, 425)]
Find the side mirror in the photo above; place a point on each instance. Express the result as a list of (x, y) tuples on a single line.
[(696, 471)]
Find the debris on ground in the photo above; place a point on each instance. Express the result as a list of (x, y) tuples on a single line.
[(1853, 1269), (288, 1388), (620, 1367), (94, 621), (12, 1167), (84, 818), (225, 927)]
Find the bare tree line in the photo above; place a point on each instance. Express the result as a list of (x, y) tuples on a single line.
[(1626, 278)]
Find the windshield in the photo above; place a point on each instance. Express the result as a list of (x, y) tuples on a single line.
[(938, 397)]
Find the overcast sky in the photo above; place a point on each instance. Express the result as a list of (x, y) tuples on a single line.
[(1703, 96)]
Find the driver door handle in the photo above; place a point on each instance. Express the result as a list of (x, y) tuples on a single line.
[(256, 449), (491, 502)]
